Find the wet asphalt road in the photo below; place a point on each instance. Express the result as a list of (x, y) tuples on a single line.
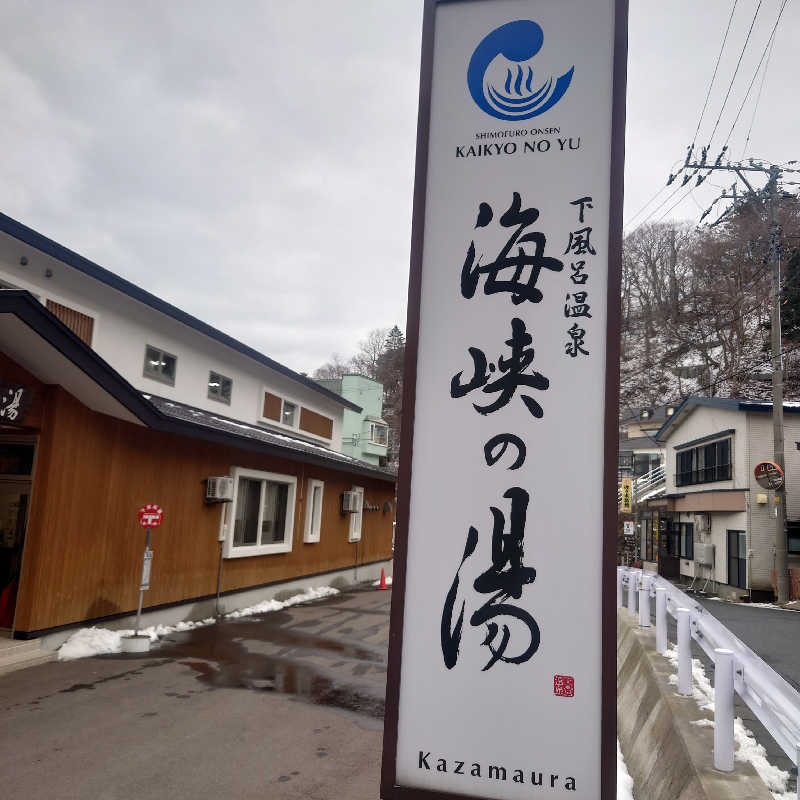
[(286, 705)]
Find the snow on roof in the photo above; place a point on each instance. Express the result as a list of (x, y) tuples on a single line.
[(198, 416)]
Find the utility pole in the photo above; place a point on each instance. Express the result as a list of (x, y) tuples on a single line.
[(781, 559), (770, 193)]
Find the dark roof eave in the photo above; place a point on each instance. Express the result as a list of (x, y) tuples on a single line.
[(72, 259), (28, 309)]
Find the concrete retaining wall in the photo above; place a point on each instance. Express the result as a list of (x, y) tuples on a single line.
[(667, 756)]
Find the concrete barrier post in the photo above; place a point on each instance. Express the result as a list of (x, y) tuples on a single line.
[(684, 653), (723, 709), (633, 581), (644, 605), (661, 620), (619, 587)]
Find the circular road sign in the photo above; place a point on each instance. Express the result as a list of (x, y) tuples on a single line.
[(768, 475), (151, 515)]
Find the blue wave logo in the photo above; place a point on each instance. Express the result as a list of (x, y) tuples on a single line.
[(501, 79)]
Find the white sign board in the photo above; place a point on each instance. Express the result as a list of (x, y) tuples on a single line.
[(500, 662), (628, 527), (147, 567)]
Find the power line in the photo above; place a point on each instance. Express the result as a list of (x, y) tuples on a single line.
[(758, 97), (736, 71), (767, 48), (713, 77)]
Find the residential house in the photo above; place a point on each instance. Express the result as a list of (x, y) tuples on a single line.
[(715, 526), (365, 434)]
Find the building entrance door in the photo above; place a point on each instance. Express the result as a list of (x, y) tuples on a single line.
[(16, 467), (13, 518)]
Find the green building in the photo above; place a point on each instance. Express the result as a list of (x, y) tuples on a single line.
[(366, 435)]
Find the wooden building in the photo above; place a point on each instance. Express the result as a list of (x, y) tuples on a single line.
[(81, 450)]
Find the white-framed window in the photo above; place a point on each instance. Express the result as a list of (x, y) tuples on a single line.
[(159, 365), (219, 387), (289, 414), (378, 434), (313, 510), (356, 517), (261, 518)]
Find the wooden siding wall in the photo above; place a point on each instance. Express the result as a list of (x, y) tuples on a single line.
[(316, 423), (81, 324), (84, 547), (272, 406)]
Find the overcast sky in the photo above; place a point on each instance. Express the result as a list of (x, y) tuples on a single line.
[(252, 162)]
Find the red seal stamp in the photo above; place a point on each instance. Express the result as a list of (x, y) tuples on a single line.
[(563, 686)]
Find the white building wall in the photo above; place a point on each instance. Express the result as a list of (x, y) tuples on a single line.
[(123, 327), (704, 421), (761, 538)]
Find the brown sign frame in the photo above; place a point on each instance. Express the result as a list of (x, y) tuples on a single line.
[(389, 789)]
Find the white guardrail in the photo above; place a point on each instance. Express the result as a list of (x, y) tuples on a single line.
[(736, 667)]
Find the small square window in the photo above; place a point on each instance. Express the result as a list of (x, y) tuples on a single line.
[(378, 434), (159, 365), (219, 387), (288, 413)]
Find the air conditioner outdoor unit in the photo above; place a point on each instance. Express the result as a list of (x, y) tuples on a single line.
[(704, 554), (350, 503), (219, 490)]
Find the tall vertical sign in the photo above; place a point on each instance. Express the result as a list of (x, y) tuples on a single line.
[(502, 661)]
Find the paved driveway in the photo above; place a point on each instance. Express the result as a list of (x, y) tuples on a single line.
[(288, 705)]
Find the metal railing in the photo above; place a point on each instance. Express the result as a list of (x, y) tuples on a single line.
[(737, 668), (645, 484)]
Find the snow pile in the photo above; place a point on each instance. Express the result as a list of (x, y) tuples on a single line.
[(277, 605), (388, 581), (101, 641), (748, 749), (624, 780)]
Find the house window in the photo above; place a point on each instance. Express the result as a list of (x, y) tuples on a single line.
[(159, 365), (737, 559), (219, 387), (288, 413), (793, 536), (378, 434), (687, 540), (704, 464), (262, 514), (356, 517), (313, 511)]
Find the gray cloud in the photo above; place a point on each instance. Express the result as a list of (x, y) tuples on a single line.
[(268, 147)]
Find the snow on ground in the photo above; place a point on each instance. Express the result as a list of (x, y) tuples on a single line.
[(388, 581), (100, 641), (277, 605), (793, 605), (748, 749), (624, 780)]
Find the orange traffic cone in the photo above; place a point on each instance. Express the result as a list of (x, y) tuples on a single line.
[(382, 584)]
